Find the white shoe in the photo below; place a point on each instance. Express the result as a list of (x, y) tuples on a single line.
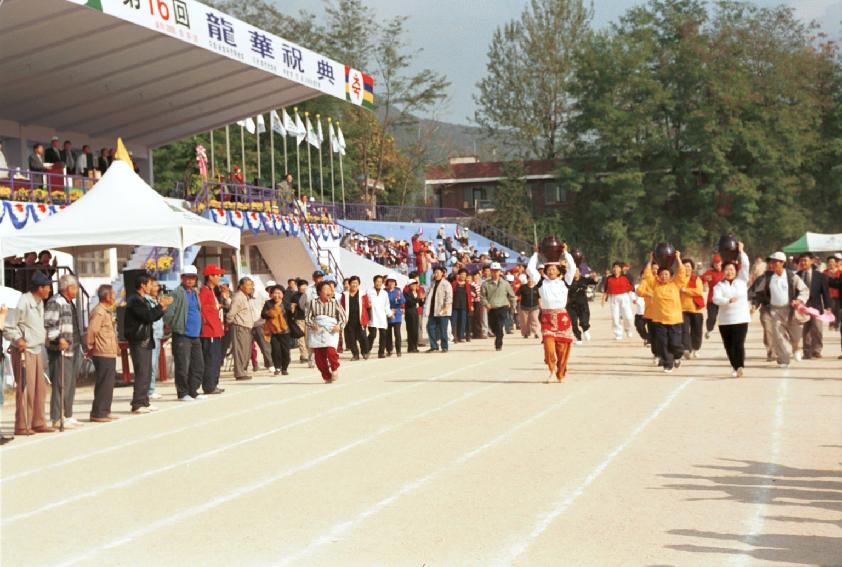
[(620, 338), (734, 374), (155, 396), (694, 354), (140, 410), (334, 376), (740, 372), (587, 335), (185, 399), (707, 334), (667, 370), (628, 334), (201, 397), (71, 422), (799, 356), (579, 342), (656, 361), (151, 408), (783, 365), (272, 369)]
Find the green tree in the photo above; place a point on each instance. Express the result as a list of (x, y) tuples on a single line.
[(530, 63), (512, 200)]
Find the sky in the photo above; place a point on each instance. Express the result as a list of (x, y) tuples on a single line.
[(454, 35)]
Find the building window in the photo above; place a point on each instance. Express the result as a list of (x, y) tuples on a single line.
[(93, 264), (256, 262), (554, 194)]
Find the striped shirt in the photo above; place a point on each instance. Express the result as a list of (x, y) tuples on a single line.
[(330, 308)]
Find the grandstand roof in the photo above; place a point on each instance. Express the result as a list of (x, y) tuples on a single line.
[(108, 68)]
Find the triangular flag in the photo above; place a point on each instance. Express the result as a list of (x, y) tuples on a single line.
[(275, 124), (122, 153), (300, 130), (261, 125), (248, 124), (319, 131), (334, 142), (312, 137), (289, 125), (341, 139)]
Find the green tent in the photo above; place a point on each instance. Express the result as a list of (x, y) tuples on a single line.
[(814, 242)]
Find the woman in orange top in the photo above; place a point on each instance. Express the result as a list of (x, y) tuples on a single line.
[(667, 316), (692, 306)]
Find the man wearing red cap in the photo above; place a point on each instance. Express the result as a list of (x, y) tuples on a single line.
[(710, 278), (212, 329)]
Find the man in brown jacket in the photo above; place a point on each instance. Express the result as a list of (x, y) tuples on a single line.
[(101, 347)]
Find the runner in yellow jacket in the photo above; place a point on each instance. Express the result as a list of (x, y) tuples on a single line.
[(693, 307), (666, 313)]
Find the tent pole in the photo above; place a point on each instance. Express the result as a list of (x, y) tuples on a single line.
[(2, 277), (238, 262)]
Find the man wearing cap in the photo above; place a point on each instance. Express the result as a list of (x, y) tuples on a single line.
[(819, 299), (310, 294), (185, 320), (355, 304), (25, 331), (778, 293), (378, 321), (497, 296), (210, 300), (64, 349), (438, 308)]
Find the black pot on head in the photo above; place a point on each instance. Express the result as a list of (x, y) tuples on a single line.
[(728, 248), (578, 257), (665, 255)]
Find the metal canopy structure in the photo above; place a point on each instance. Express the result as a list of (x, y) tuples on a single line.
[(89, 71)]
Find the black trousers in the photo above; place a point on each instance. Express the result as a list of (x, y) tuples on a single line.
[(580, 318), (734, 340), (189, 364), (355, 339), (142, 365), (394, 331), (497, 323), (713, 312), (105, 370), (384, 341), (212, 363), (411, 317), (692, 331), (650, 332), (668, 343), (640, 325), (280, 345)]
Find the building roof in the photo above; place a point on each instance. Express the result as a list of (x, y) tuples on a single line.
[(484, 171), (98, 69)]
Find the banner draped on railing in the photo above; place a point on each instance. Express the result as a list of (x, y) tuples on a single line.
[(282, 225), (19, 215)]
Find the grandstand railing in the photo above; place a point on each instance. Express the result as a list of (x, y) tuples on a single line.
[(42, 187)]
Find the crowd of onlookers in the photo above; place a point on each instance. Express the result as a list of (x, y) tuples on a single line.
[(82, 162), (18, 271)]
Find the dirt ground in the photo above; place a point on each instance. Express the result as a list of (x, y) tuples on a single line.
[(464, 458)]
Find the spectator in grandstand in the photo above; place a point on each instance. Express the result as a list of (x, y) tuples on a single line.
[(66, 155), (36, 159), (104, 160), (53, 153), (85, 161)]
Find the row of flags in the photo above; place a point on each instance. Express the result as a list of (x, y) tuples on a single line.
[(302, 131)]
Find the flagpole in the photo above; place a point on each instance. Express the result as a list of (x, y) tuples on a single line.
[(272, 148), (243, 150), (309, 161), (321, 176), (257, 135), (332, 179), (342, 183), (297, 157), (212, 160), (227, 152), (286, 168)]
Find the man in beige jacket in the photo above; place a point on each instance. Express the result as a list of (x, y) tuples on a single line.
[(241, 320), (101, 347)]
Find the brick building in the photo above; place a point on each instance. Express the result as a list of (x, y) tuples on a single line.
[(470, 185)]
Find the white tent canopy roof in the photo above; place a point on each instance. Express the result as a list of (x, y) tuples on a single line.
[(120, 210)]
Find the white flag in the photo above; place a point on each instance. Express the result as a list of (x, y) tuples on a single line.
[(261, 125), (300, 130), (334, 142), (319, 131), (312, 137), (340, 139), (289, 125), (275, 124), (248, 124)]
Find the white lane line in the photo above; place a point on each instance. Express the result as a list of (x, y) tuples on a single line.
[(762, 499), (568, 497), (135, 478), (253, 487), (203, 423), (340, 530)]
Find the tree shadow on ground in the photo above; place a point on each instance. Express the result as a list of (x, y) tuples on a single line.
[(777, 485)]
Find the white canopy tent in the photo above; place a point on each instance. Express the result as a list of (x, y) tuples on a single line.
[(120, 210)]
